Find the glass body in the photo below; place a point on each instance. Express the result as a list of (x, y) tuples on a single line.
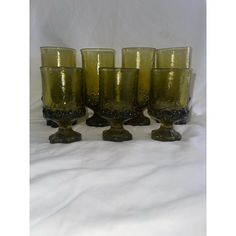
[(141, 58), (63, 103), (58, 56), (92, 60), (177, 57), (118, 98), (169, 97)]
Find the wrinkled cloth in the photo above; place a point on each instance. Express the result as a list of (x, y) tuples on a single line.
[(140, 187)]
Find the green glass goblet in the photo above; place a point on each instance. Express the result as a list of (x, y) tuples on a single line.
[(141, 58), (169, 96), (63, 100), (118, 98), (92, 60), (57, 56), (175, 57)]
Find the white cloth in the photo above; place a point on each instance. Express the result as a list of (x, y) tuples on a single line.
[(140, 187)]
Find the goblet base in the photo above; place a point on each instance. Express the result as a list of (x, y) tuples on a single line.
[(97, 121), (165, 134), (117, 135), (139, 120), (65, 135)]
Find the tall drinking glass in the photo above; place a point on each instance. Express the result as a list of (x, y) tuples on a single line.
[(57, 57), (92, 60), (176, 57), (141, 58)]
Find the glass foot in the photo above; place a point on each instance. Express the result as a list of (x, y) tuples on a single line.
[(140, 120), (116, 135), (65, 136), (97, 121), (165, 134)]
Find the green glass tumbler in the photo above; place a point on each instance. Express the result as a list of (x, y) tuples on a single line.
[(118, 98), (169, 97), (92, 60), (141, 58), (63, 102)]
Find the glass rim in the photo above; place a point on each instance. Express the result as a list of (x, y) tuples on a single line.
[(58, 48), (117, 69), (151, 48), (97, 49), (60, 68), (172, 69), (189, 48)]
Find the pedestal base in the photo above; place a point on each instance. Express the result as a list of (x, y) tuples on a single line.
[(65, 136)]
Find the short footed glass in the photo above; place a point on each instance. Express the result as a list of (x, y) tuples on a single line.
[(141, 58), (168, 100), (92, 60), (118, 99), (63, 103)]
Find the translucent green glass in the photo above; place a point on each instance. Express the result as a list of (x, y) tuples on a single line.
[(118, 98), (62, 89), (92, 60), (177, 57), (141, 58), (58, 56), (169, 97)]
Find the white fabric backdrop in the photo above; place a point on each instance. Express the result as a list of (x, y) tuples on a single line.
[(141, 187)]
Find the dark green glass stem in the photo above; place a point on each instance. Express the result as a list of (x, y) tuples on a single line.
[(65, 134), (166, 133), (116, 133)]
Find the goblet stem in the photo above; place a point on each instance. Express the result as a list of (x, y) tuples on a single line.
[(139, 120), (97, 121), (65, 134), (116, 133), (165, 133)]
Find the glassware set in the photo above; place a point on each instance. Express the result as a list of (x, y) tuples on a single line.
[(156, 79)]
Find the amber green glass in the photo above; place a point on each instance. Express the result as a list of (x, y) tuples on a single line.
[(141, 58), (118, 98), (92, 60), (169, 97), (177, 57), (63, 103), (58, 56)]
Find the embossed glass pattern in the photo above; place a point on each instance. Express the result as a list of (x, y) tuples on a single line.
[(92, 60), (141, 58), (62, 98), (118, 97), (169, 96)]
